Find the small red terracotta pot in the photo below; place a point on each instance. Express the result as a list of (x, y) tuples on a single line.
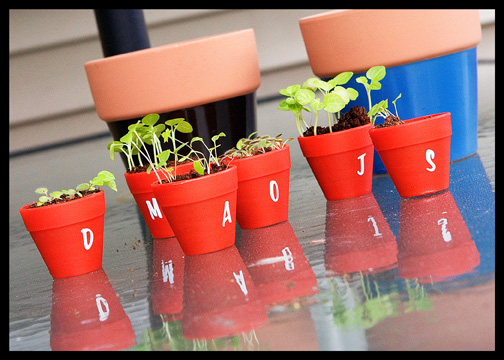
[(201, 211), (263, 183), (140, 187), (434, 241), (342, 161), (416, 154), (68, 235), (87, 315)]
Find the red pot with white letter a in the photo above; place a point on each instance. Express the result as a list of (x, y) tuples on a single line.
[(201, 211), (416, 154), (68, 235), (342, 161)]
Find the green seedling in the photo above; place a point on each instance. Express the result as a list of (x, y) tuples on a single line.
[(103, 178), (335, 98), (204, 162), (249, 146), (375, 74)]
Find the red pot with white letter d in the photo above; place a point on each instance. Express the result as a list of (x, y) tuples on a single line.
[(263, 188), (416, 154), (201, 211), (68, 235), (342, 161)]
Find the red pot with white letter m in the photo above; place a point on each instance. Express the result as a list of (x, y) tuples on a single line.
[(416, 154), (201, 211)]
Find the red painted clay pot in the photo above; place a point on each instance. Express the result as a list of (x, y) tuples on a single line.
[(201, 211), (263, 183), (416, 154), (220, 298), (358, 238), (342, 161), (68, 235), (140, 187), (434, 241), (87, 315), (277, 264)]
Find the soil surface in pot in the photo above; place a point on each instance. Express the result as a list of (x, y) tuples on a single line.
[(391, 120), (171, 163), (357, 116), (193, 174), (64, 198)]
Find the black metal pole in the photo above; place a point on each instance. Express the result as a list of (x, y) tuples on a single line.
[(121, 30)]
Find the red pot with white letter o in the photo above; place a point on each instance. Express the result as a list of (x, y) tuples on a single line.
[(342, 161), (68, 235), (140, 187), (201, 211), (263, 188), (416, 154)]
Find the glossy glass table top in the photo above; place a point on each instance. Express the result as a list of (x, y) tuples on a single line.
[(375, 272)]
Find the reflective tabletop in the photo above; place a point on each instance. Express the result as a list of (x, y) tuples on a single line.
[(377, 272)]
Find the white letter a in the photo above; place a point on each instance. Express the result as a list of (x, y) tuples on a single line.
[(227, 214)]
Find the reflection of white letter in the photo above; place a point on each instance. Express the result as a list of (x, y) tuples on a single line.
[(274, 190), (288, 259), (375, 226), (85, 231), (241, 282), (444, 232), (154, 209), (100, 303), (227, 214), (167, 271), (361, 171), (429, 155)]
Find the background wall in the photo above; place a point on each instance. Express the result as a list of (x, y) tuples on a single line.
[(49, 97)]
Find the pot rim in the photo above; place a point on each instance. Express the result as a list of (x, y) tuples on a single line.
[(260, 165), (128, 86), (335, 142), (413, 131), (196, 189), (65, 213), (415, 35)]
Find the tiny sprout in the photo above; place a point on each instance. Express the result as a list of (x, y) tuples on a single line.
[(254, 146)]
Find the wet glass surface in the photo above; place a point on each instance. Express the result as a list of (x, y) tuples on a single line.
[(372, 273)]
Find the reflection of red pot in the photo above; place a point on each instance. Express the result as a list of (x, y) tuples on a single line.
[(263, 183), (201, 211), (358, 238), (434, 241), (342, 162), (140, 187), (416, 154), (87, 315), (68, 235), (220, 298), (168, 278), (276, 263)]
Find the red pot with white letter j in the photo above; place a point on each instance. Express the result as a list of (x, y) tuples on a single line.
[(201, 210), (68, 235), (416, 154)]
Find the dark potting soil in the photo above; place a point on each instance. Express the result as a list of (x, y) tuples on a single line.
[(391, 120), (356, 116), (64, 198), (171, 163), (193, 174)]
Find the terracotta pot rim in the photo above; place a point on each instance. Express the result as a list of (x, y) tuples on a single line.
[(414, 34), (174, 76), (335, 142), (65, 213), (413, 131)]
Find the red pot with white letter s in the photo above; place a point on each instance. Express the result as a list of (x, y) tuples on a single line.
[(416, 154), (201, 211), (68, 235)]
